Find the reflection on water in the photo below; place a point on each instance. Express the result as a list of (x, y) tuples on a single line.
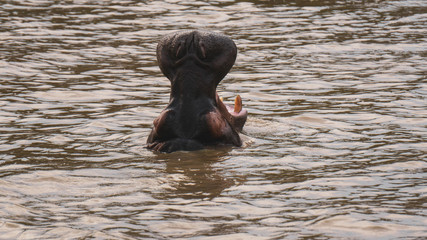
[(334, 144)]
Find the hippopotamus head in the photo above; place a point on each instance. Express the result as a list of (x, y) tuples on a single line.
[(195, 62)]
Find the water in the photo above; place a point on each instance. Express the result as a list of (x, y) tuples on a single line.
[(335, 144)]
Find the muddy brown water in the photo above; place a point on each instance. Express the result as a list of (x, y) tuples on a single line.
[(335, 144)]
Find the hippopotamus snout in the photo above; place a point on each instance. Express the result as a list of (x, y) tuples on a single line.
[(190, 46)]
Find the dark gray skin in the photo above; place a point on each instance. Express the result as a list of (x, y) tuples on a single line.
[(195, 62)]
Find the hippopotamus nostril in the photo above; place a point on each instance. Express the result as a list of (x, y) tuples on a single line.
[(191, 46), (180, 50), (195, 46), (202, 50)]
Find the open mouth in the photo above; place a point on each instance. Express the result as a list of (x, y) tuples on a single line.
[(236, 115)]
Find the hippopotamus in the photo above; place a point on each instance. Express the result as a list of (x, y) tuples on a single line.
[(195, 62)]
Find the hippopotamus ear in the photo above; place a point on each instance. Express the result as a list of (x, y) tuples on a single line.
[(214, 52)]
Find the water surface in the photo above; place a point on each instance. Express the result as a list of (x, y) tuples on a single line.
[(335, 144)]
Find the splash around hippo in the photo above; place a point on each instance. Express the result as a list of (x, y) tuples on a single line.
[(195, 62)]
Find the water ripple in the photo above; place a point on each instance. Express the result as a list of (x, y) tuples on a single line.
[(334, 144)]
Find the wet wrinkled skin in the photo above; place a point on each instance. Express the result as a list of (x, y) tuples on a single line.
[(195, 62)]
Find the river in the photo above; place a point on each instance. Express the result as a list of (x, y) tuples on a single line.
[(335, 143)]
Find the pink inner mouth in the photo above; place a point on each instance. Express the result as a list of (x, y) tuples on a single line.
[(236, 115)]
